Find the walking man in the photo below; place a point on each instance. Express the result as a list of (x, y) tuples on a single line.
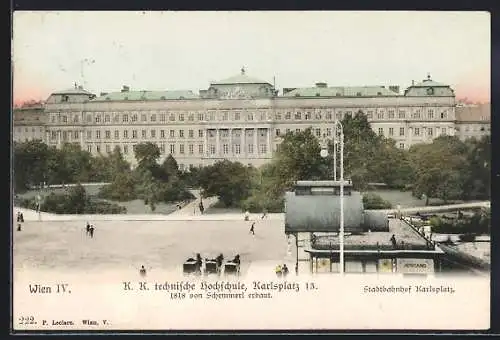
[(91, 231), (252, 228)]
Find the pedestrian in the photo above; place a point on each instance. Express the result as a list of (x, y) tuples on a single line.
[(285, 270), (202, 208), (18, 217), (252, 228), (278, 271), (393, 241), (88, 228), (264, 214), (247, 216), (19, 227), (142, 271), (296, 269), (91, 231)]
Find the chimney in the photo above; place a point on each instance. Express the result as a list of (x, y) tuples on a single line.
[(125, 88), (321, 84), (394, 88)]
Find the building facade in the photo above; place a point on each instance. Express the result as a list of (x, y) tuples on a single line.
[(240, 118), (29, 124), (473, 121)]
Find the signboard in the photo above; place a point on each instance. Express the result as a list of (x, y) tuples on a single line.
[(415, 266)]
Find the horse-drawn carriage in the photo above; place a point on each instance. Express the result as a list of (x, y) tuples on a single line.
[(211, 266), (192, 266), (232, 267)]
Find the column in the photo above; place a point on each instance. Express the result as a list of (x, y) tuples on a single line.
[(217, 143), (243, 140), (231, 151), (81, 139), (255, 144), (58, 138), (269, 148), (205, 146)]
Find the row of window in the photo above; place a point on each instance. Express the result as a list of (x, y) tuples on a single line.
[(237, 116), (416, 131), (26, 129), (211, 150)]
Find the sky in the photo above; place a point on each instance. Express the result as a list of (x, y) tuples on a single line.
[(103, 51)]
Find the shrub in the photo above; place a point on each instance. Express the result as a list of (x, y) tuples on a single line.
[(374, 201)]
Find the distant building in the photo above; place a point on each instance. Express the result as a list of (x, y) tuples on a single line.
[(312, 216), (240, 118), (473, 120), (29, 123)]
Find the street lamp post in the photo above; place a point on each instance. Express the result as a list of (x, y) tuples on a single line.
[(339, 138)]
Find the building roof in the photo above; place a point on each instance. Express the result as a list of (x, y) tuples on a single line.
[(147, 95), (429, 83), (74, 91), (241, 78), (402, 232), (473, 113), (341, 91)]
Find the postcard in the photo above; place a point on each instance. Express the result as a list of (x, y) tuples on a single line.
[(257, 170)]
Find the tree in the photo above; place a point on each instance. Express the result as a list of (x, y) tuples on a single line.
[(478, 182), (229, 181), (147, 155), (30, 163), (170, 167)]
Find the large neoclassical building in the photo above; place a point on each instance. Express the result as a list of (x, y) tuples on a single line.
[(239, 118)]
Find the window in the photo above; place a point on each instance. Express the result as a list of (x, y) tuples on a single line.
[(249, 116), (191, 149), (369, 115), (181, 117), (298, 115), (98, 119), (191, 117), (65, 135), (250, 148), (339, 115), (263, 148), (443, 115), (134, 118), (143, 118), (380, 131), (401, 131), (172, 149), (125, 133), (75, 119), (297, 130), (416, 132), (277, 116), (153, 117), (391, 131), (98, 134), (191, 133), (328, 132), (125, 118), (162, 148), (318, 132), (162, 117), (107, 134), (443, 131), (429, 131), (65, 119), (329, 116), (277, 132), (401, 145), (237, 149), (287, 130), (391, 114), (89, 119), (162, 133), (76, 134), (431, 114), (53, 120), (200, 133), (89, 148), (117, 134), (98, 148), (212, 116), (402, 114), (181, 149), (200, 149), (288, 116), (172, 133), (307, 116), (225, 149), (108, 148), (225, 116), (200, 116), (116, 118), (380, 115), (134, 134), (143, 133), (153, 133), (89, 134), (212, 149), (125, 149), (416, 114), (181, 133), (171, 117), (107, 119)]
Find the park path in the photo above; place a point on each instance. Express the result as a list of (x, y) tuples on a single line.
[(192, 208)]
